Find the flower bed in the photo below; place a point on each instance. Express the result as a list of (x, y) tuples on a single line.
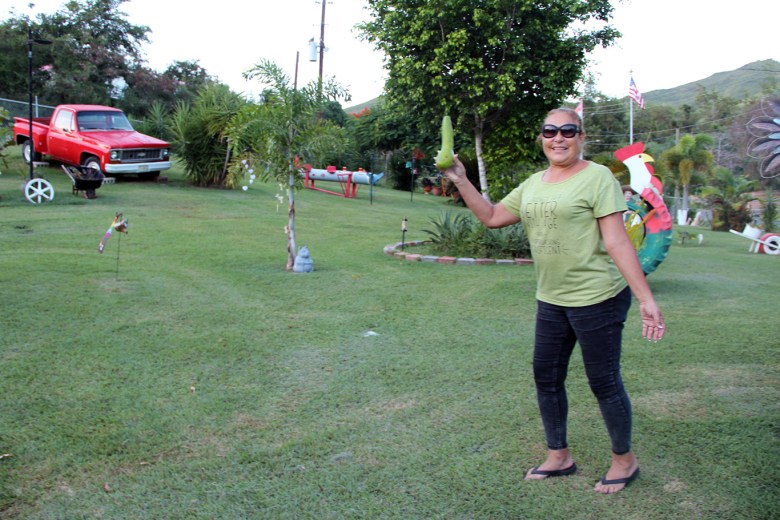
[(399, 250)]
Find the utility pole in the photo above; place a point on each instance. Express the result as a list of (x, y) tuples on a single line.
[(322, 47)]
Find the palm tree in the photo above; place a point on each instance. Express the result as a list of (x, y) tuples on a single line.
[(198, 133), (283, 132), (688, 158), (731, 194)]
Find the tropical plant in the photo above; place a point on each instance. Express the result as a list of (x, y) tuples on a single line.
[(491, 65), (506, 242), (461, 235), (449, 231), (282, 133), (729, 195), (199, 138), (689, 157), (5, 136), (156, 121), (769, 215)]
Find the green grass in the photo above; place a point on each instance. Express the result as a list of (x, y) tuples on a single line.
[(200, 380)]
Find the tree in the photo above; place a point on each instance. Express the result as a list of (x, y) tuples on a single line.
[(276, 137), (13, 59), (145, 87), (730, 194), (93, 45), (200, 134), (181, 82), (95, 57), (690, 156), (388, 132), (495, 64)]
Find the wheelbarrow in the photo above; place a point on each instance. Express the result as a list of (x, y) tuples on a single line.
[(84, 179), (768, 243)]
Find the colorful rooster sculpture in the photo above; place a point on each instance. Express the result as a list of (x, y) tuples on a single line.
[(649, 224)]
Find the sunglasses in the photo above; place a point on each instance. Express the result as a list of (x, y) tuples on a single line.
[(567, 131)]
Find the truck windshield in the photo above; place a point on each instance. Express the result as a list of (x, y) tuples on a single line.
[(90, 121)]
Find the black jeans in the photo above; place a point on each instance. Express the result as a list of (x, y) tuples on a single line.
[(598, 329)]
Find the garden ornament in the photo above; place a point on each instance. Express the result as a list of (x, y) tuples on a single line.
[(651, 232), (303, 262)]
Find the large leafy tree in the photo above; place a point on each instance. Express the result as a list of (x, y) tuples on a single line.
[(494, 64), (95, 44), (283, 132), (95, 57), (180, 83), (92, 44), (13, 59)]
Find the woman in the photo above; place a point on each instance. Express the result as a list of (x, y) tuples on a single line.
[(586, 270)]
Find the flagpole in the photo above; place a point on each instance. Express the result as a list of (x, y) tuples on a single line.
[(630, 115), (581, 112)]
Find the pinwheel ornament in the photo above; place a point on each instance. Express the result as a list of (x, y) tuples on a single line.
[(765, 146), (119, 224)]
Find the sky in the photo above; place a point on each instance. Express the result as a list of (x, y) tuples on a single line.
[(665, 43)]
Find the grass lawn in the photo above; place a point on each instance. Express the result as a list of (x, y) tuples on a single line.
[(184, 374)]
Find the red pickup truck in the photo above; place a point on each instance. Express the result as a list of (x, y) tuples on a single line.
[(95, 137)]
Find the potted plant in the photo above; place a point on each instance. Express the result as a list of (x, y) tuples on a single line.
[(427, 184)]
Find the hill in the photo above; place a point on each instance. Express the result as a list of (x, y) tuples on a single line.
[(357, 108), (745, 81)]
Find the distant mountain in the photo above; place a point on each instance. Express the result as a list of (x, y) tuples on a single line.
[(357, 108), (743, 82)]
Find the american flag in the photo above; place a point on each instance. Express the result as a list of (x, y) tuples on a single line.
[(634, 94)]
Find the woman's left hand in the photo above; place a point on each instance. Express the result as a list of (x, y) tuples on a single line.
[(653, 323)]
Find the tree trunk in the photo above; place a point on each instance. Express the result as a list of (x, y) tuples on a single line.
[(291, 249), (677, 202), (478, 136)]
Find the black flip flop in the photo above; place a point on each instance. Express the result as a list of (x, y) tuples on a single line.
[(571, 470), (626, 481)]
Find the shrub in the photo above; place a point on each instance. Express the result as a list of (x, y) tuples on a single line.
[(6, 136), (198, 134), (769, 215), (462, 235)]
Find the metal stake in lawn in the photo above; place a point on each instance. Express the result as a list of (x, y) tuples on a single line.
[(121, 226), (412, 165), (118, 246), (30, 42), (403, 233)]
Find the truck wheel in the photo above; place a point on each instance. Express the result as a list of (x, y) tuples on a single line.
[(92, 163), (26, 153)]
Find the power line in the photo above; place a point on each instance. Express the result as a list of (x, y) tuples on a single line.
[(658, 134)]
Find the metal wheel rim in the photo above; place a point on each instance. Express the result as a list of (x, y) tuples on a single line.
[(37, 191)]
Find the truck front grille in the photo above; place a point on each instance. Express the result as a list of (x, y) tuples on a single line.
[(132, 155)]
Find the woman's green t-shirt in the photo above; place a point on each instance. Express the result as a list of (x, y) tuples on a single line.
[(572, 266)]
